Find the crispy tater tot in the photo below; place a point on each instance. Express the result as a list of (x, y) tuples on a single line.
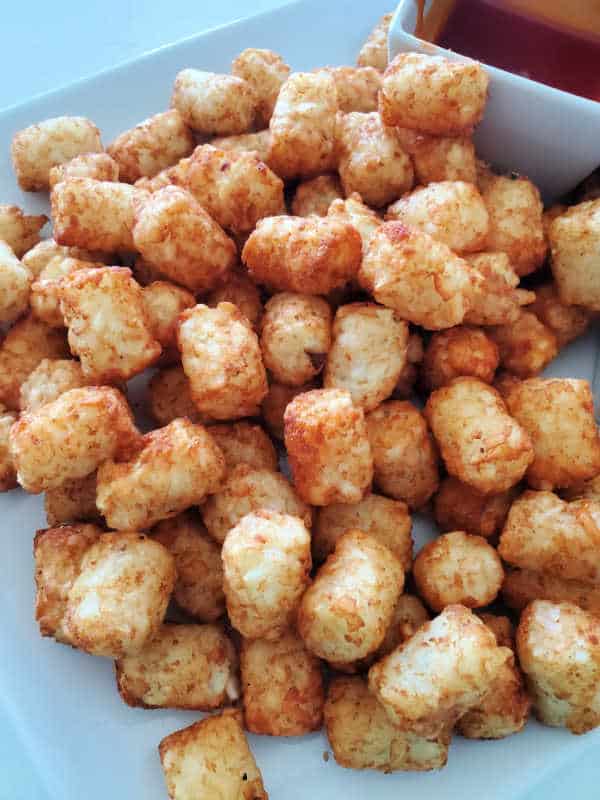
[(8, 475), (222, 359), (526, 345), (295, 337), (244, 443), (480, 443), (458, 568), (211, 758), (550, 214), (265, 72), (432, 94), (46, 288), (386, 520), (42, 253), (357, 88), (247, 489), (69, 437), (303, 126), (214, 104), (177, 467), (282, 687), (547, 534), (574, 240), (166, 177), (38, 148), (27, 343), (566, 322), (345, 613), (20, 231), (515, 215), (521, 586), (409, 614), (446, 668), (440, 158), (315, 195), (452, 212), (170, 397), (374, 52), (504, 383), (354, 211), (362, 736), (496, 300), (99, 166), (276, 401), (258, 143), (266, 566), (459, 351), (559, 650), (404, 455), (558, 415), (421, 278), (407, 379), (460, 507), (239, 290), (182, 666), (51, 378), (15, 283), (163, 303), (303, 254), (118, 600), (328, 449), (73, 501)]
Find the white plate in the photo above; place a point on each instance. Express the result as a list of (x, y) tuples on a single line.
[(83, 742)]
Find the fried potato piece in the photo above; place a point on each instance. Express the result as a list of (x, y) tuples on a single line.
[(460, 507), (244, 443), (15, 283), (182, 666), (8, 475), (566, 322), (46, 288), (409, 614), (258, 143), (407, 379), (440, 158), (73, 501), (559, 650), (574, 239), (169, 397), (163, 303), (211, 758), (214, 104), (51, 378), (69, 437), (20, 231), (456, 352), (265, 72), (38, 258), (276, 401), (526, 345), (356, 87), (480, 443), (282, 687), (505, 382), (99, 166), (588, 490), (496, 300), (360, 216), (374, 51), (521, 586), (239, 290), (315, 195)]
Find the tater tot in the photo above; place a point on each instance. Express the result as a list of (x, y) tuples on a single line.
[(244, 443), (458, 568), (211, 758), (315, 195), (354, 211), (73, 501), (404, 455), (504, 383), (460, 507), (258, 143), (118, 600), (435, 677), (8, 475), (214, 104), (419, 277), (265, 72), (522, 586), (266, 566), (559, 650), (547, 534), (346, 611), (480, 443), (558, 415), (409, 614), (51, 378), (169, 396), (182, 666), (239, 290), (104, 311), (69, 437), (276, 401), (386, 520), (526, 345), (328, 449), (574, 240), (566, 322), (15, 283), (588, 490), (99, 166), (296, 254), (163, 303), (247, 489), (282, 686), (42, 253), (28, 342), (155, 144), (374, 52), (432, 94), (303, 126), (222, 359), (451, 212), (459, 351), (295, 337), (97, 215), (496, 300), (440, 158), (46, 288), (356, 88), (38, 148), (20, 231), (362, 736), (515, 216), (408, 377)]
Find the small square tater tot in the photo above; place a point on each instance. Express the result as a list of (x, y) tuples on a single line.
[(526, 346), (170, 397), (182, 666), (574, 240), (74, 501), (46, 288), (459, 507), (303, 126), (69, 437), (432, 94), (440, 158), (354, 211), (8, 475), (480, 443), (58, 554), (282, 686), (362, 736), (15, 282), (163, 303), (211, 759), (244, 443), (315, 195), (265, 72), (566, 322), (38, 148), (266, 569), (214, 104), (177, 467), (328, 448), (199, 585), (435, 677), (239, 290), (20, 231), (104, 311), (459, 351), (276, 401), (409, 614), (357, 88), (559, 650), (496, 299), (522, 586), (99, 166), (346, 611), (258, 143), (51, 378), (222, 359), (374, 52), (153, 145), (38, 258)]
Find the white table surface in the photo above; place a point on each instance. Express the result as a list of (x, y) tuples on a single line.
[(46, 45)]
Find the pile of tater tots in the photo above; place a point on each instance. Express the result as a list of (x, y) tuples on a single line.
[(314, 265)]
